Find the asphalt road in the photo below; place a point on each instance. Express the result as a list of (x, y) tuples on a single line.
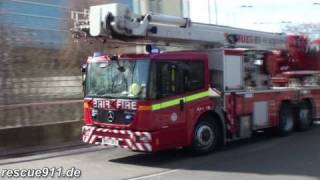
[(262, 157)]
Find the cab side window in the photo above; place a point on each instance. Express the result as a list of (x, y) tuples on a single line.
[(177, 77), (193, 73), (169, 79)]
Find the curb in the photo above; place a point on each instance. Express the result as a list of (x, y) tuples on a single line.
[(32, 150)]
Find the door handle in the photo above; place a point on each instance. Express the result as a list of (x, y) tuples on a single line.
[(181, 104)]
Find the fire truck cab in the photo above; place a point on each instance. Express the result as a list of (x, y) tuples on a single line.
[(152, 99)]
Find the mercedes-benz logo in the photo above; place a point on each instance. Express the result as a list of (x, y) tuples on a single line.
[(110, 116)]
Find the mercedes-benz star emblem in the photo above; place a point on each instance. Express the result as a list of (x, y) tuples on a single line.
[(110, 116)]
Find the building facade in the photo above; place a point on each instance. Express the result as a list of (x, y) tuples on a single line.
[(35, 23)]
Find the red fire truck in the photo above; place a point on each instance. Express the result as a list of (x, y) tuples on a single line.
[(224, 85)]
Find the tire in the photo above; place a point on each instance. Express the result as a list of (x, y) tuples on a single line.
[(206, 136), (286, 120), (303, 117)]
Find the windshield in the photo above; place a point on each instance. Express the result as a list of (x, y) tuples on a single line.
[(118, 79)]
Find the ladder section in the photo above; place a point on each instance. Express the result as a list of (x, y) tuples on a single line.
[(117, 21)]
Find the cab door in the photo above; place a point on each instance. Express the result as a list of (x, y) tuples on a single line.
[(178, 83), (168, 108)]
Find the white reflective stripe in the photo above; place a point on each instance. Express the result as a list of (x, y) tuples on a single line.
[(122, 132), (147, 134), (99, 129), (97, 143), (138, 133), (148, 146), (115, 131), (133, 148), (84, 138), (132, 137), (105, 130), (139, 146), (93, 138), (129, 142), (90, 129)]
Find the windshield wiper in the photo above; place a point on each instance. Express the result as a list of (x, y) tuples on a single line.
[(107, 96), (102, 95)]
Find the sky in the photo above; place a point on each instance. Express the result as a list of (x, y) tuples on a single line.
[(266, 15)]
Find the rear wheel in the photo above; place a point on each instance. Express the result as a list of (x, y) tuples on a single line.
[(206, 136), (303, 117), (286, 119)]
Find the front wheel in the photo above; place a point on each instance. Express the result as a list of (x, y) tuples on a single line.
[(206, 136)]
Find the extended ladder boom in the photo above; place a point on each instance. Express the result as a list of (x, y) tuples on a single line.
[(116, 21)]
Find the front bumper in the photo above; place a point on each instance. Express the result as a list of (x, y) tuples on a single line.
[(133, 140)]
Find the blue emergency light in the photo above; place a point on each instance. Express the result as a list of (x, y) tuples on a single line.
[(152, 49)]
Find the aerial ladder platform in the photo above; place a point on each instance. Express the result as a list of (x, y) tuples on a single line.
[(117, 23)]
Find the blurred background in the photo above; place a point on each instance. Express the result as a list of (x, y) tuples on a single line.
[(40, 63), (40, 69), (40, 82), (40, 74)]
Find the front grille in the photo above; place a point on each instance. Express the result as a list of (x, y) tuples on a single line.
[(119, 116)]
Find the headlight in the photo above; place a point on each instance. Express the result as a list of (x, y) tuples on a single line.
[(128, 117)]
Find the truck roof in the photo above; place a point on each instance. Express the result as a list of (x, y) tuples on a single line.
[(176, 55)]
